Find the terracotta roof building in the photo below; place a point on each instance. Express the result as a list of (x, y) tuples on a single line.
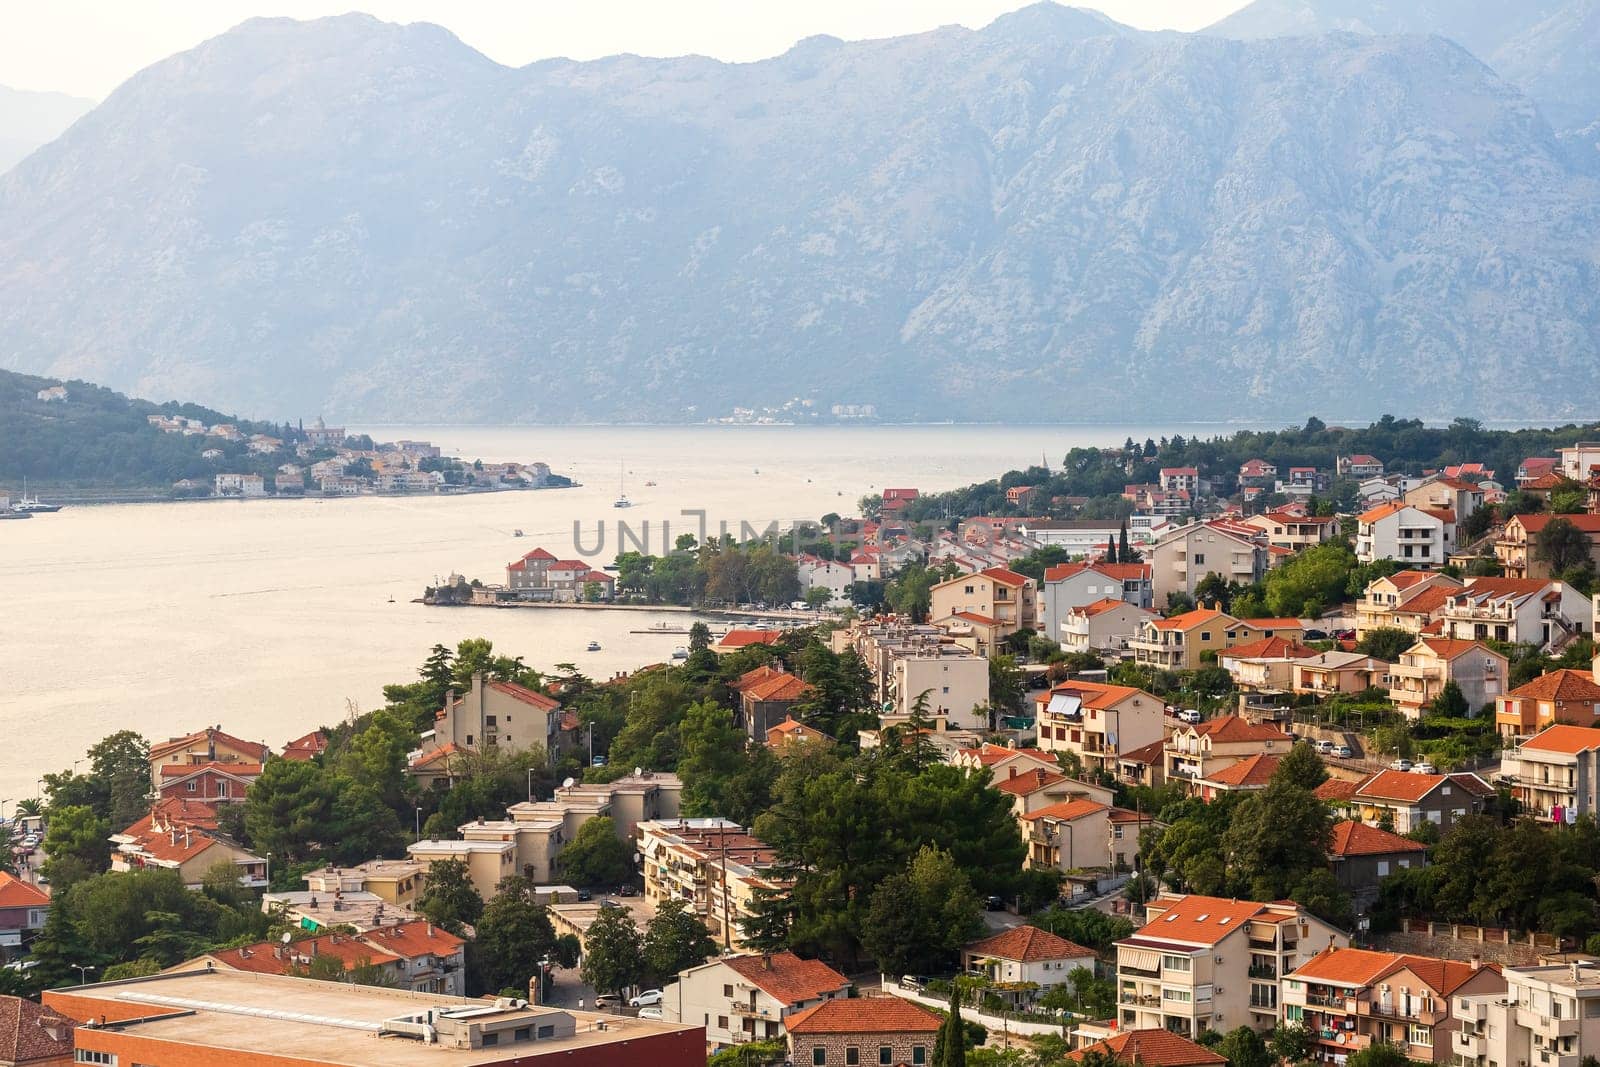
[(1362, 855), (1195, 963), (1555, 774), (1567, 697), (749, 998), (1153, 1047), (33, 1036), (415, 955), (880, 1029), (210, 745), (1025, 962)]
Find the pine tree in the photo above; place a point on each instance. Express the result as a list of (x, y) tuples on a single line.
[(1111, 551), (1124, 549), (950, 1047)]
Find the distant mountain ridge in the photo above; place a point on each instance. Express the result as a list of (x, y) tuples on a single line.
[(1053, 217), (28, 120), (1549, 48)]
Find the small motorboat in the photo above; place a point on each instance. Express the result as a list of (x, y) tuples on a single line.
[(517, 532), (594, 646), (391, 598), (648, 484), (680, 653)]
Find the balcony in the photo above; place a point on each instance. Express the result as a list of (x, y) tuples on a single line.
[(1140, 1000), (1263, 970), (1433, 1015), (1547, 1025), (748, 1011)]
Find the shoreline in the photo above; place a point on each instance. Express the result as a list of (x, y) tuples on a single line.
[(778, 614), (67, 498)]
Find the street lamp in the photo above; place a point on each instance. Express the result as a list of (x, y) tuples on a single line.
[(269, 870), (530, 785), (75, 767), (83, 970), (418, 821)]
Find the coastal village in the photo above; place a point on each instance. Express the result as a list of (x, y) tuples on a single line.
[(1238, 776)]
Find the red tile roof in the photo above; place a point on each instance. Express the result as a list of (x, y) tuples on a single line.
[(1028, 944), (1589, 524), (211, 734), (1338, 789), (1231, 728), (864, 1015), (1067, 810), (787, 977), (1453, 648), (1121, 572), (1563, 685), (1190, 619), (1410, 787), (1569, 740), (1362, 967), (1199, 920), (973, 616), (414, 939), (1024, 782), (1359, 839), (745, 638), (1149, 754), (1093, 694), (180, 771), (15, 893), (1270, 648), (303, 748), (1154, 1047), (780, 686), (525, 695), (427, 759), (1006, 576), (25, 1033), (754, 675), (269, 957), (168, 842), (1100, 607), (1249, 773)]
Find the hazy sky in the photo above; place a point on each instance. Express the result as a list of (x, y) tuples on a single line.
[(88, 47)]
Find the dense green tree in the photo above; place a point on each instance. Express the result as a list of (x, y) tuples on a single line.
[(449, 899), (122, 762), (1385, 643), (77, 846), (1277, 835), (1291, 1042), (1007, 687), (918, 920), (1243, 1047), (596, 856), (766, 928), (950, 1045), (613, 957), (1561, 545), (712, 755), (286, 810), (513, 935), (674, 940), (1310, 582), (1379, 1054), (1451, 703), (1302, 766)]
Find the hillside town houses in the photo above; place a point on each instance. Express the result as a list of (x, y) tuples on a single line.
[(1054, 666)]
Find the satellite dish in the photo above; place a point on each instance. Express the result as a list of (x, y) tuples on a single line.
[(569, 783), (286, 938)]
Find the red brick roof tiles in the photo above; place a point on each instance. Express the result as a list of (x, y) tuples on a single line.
[(1359, 839), (864, 1015), (1154, 1047), (787, 977), (1028, 944)]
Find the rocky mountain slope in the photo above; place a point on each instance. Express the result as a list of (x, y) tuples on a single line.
[(1055, 218), (28, 120), (1548, 48)]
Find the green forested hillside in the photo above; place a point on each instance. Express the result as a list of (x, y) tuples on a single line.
[(101, 439)]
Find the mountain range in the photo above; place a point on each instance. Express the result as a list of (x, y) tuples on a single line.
[(1053, 218), (28, 120)]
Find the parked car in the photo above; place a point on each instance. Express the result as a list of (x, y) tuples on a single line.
[(1325, 747), (649, 998), (607, 1002), (1315, 635), (1190, 715), (651, 1013), (583, 896), (1345, 752), (1424, 768), (626, 891), (598, 761), (994, 904), (1400, 765)]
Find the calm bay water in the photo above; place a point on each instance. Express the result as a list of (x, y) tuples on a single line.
[(271, 617)]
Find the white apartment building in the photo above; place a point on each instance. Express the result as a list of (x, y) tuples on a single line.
[(1206, 963), (1421, 538), (739, 999), (1548, 1016)]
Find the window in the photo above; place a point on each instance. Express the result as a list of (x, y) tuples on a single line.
[(1383, 868), (1199, 557), (919, 1054), (1177, 996), (490, 1040), (1421, 1035), (1176, 963), (886, 1056), (1293, 1012), (1205, 635), (852, 1056), (547, 1030), (89, 1055), (722, 1022), (819, 1056), (522, 1033), (727, 990), (190, 784)]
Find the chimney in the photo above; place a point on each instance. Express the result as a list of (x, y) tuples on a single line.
[(1575, 976), (430, 929), (766, 961), (1039, 774), (1477, 961)]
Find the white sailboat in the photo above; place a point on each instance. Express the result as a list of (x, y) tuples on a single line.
[(622, 500)]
